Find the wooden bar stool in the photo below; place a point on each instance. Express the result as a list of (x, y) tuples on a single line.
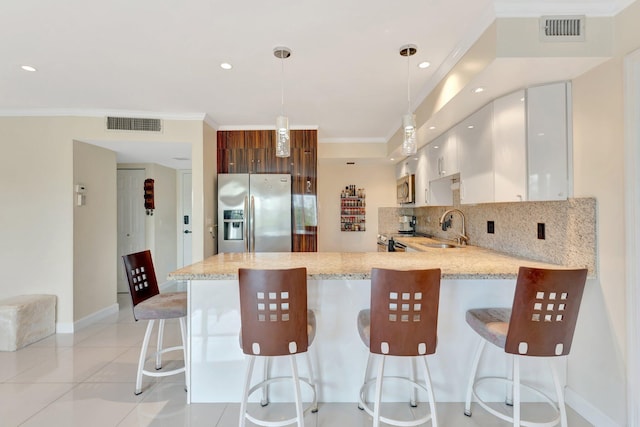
[(149, 304), (540, 323), (402, 321), (275, 322)]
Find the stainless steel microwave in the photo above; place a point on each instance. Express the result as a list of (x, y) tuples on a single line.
[(406, 191)]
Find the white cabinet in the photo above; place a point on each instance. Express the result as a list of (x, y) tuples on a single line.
[(406, 167), (515, 149), (548, 141), (441, 161), (422, 179), (475, 146), (440, 193), (510, 148), (443, 155)]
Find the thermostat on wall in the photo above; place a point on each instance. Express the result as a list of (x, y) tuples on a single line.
[(81, 191)]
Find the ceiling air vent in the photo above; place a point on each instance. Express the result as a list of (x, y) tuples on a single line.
[(134, 124), (562, 28)]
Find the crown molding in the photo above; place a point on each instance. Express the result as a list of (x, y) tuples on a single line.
[(512, 9), (363, 140), (64, 112)]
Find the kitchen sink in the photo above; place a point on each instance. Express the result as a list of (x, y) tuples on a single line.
[(440, 245)]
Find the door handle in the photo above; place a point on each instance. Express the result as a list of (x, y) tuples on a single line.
[(245, 218), (252, 211), (187, 231)]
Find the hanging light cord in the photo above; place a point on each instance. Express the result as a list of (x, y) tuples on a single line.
[(282, 80), (408, 82)]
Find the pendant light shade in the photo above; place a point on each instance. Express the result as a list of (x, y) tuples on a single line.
[(283, 141), (283, 146), (409, 143)]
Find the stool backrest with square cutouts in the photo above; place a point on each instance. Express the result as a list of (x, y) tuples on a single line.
[(273, 311), (545, 311), (141, 276), (404, 311)]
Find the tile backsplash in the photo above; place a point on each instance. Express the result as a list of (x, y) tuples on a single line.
[(569, 228)]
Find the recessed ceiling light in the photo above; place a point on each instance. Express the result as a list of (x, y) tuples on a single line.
[(522, 99), (392, 159), (435, 146), (424, 64), (478, 90), (470, 127), (226, 66), (28, 68), (432, 127)]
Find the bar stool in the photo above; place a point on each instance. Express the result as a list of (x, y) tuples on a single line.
[(149, 304), (402, 321), (275, 322), (540, 323)]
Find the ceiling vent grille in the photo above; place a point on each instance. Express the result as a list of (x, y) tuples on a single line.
[(562, 28), (134, 124)]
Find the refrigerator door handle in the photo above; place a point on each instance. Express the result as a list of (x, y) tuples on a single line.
[(246, 224), (253, 221)]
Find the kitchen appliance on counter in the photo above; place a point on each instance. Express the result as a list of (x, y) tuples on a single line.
[(254, 212), (389, 244), (405, 189), (406, 224)]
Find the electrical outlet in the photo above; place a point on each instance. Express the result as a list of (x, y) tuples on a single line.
[(541, 232), (491, 227)]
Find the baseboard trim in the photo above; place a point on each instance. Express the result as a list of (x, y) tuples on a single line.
[(587, 411), (64, 328), (69, 328)]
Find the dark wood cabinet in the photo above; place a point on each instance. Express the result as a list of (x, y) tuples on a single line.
[(253, 151)]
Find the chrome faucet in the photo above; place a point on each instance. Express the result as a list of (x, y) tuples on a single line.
[(462, 238)]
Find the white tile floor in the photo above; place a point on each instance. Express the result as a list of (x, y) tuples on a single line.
[(87, 379)]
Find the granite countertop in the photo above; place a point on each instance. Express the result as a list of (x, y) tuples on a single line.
[(469, 262)]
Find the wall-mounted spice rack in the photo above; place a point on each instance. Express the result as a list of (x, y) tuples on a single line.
[(352, 209)]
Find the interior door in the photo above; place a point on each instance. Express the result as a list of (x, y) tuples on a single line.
[(131, 218), (186, 219)]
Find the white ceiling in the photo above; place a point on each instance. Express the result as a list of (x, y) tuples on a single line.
[(162, 58)]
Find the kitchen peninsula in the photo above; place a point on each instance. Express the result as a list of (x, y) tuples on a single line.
[(338, 287)]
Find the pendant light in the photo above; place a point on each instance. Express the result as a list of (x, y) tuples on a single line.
[(409, 144), (283, 145)]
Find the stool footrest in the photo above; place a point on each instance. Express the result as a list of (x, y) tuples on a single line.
[(362, 404), (165, 373), (506, 417)]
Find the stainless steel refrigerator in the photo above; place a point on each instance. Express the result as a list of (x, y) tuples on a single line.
[(254, 212)]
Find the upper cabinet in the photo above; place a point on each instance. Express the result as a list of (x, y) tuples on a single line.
[(443, 155), (475, 153), (548, 141), (510, 148), (517, 148), (422, 180)]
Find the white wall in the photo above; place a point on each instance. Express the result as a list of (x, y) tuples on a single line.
[(36, 189), (210, 187), (94, 244), (161, 226), (597, 361), (333, 175)]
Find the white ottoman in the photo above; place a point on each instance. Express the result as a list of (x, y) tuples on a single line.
[(25, 319)]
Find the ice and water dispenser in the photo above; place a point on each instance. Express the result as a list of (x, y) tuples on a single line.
[(233, 224)]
